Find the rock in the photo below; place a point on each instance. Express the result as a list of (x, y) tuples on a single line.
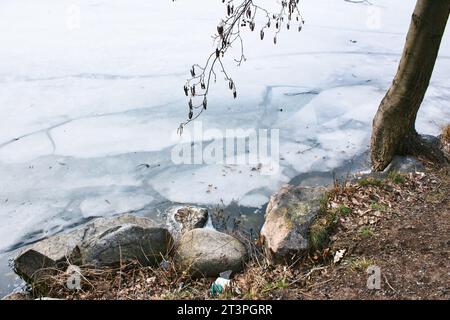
[(289, 215), (446, 149), (405, 164), (184, 219), (104, 241), (207, 252), (42, 260), (137, 240), (18, 296)]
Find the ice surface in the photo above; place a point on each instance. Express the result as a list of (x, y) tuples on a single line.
[(90, 103)]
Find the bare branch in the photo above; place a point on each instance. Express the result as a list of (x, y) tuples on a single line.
[(239, 14)]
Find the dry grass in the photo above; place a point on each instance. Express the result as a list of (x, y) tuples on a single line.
[(360, 263), (445, 140), (445, 135), (350, 210)]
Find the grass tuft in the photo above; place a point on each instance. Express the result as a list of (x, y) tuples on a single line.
[(370, 182), (365, 232), (360, 264), (344, 210), (396, 177), (320, 230), (378, 206)]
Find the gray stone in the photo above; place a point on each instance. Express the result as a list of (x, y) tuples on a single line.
[(148, 245), (41, 260), (444, 140), (207, 252), (405, 164), (184, 219), (18, 296), (289, 215), (104, 241)]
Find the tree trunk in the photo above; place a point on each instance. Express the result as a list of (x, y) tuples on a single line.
[(394, 124)]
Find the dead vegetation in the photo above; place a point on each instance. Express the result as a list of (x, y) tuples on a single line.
[(400, 223), (445, 140), (445, 136)]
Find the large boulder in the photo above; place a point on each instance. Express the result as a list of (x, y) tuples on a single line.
[(104, 241), (289, 215), (207, 252), (183, 219), (445, 141), (18, 296), (130, 238), (41, 260)]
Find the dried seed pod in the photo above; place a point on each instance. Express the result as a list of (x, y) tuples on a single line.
[(186, 90), (220, 30), (205, 103), (190, 114), (262, 34)]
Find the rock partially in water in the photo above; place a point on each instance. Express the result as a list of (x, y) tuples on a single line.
[(207, 252), (290, 213), (42, 260), (444, 139), (126, 238), (184, 219), (18, 296), (405, 164), (104, 241)]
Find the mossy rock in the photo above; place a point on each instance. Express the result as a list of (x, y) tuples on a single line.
[(289, 216)]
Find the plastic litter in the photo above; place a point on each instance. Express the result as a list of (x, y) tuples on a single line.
[(165, 265), (221, 284)]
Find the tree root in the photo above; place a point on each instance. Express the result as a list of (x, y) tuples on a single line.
[(427, 147)]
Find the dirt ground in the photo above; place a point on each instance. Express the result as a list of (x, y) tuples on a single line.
[(409, 241), (400, 224)]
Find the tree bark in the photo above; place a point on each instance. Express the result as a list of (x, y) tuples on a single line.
[(394, 124)]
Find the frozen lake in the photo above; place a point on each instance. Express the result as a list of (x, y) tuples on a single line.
[(91, 98)]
